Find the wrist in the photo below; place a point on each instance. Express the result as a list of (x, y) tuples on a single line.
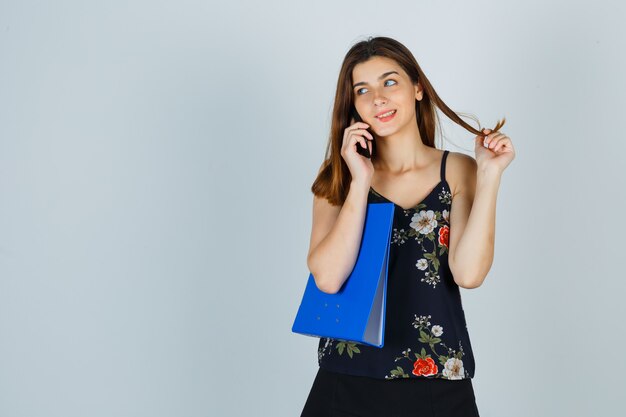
[(487, 172), (487, 178), (360, 184)]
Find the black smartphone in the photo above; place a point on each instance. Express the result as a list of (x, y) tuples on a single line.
[(359, 148)]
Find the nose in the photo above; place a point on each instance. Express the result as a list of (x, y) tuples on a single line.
[(379, 98)]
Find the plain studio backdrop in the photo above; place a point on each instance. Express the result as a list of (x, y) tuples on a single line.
[(156, 160)]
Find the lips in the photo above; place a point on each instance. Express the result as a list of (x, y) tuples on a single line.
[(386, 111), (387, 118)]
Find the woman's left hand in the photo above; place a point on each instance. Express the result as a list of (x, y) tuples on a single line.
[(498, 153)]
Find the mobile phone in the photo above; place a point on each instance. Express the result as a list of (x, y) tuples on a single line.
[(359, 148)]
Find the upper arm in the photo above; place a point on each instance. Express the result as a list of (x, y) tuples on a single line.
[(463, 179), (324, 218)]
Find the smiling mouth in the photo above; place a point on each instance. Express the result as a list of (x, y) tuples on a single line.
[(388, 118), (383, 116)]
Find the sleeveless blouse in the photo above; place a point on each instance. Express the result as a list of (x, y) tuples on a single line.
[(426, 333)]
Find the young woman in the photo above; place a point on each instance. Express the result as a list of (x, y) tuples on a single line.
[(443, 238)]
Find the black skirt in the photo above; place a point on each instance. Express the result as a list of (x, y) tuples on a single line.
[(341, 395)]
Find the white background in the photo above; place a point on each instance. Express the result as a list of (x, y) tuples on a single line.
[(156, 160)]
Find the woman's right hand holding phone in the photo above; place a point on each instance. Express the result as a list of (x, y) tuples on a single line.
[(361, 168)]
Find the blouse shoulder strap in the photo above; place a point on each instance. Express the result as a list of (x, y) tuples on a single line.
[(443, 165)]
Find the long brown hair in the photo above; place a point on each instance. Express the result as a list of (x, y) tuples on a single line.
[(333, 179)]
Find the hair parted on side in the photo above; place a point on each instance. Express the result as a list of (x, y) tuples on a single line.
[(333, 179)]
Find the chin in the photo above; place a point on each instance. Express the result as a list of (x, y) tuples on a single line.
[(385, 131)]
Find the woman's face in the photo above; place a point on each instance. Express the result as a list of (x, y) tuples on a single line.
[(380, 85)]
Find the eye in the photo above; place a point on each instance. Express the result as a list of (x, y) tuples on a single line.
[(390, 79)]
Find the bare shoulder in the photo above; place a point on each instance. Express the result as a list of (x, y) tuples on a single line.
[(460, 172)]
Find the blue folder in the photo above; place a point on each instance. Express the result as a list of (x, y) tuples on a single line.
[(357, 311)]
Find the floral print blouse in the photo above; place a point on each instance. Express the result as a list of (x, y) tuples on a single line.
[(426, 333)]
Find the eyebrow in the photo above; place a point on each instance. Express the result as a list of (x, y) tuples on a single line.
[(380, 78)]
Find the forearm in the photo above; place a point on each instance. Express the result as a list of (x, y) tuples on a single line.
[(333, 259), (474, 253)]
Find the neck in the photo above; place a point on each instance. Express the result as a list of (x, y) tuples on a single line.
[(401, 152)]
